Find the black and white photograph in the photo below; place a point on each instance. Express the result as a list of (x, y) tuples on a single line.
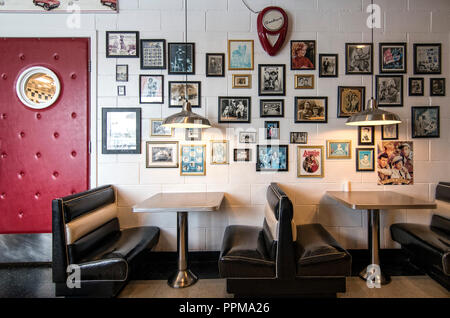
[(358, 58), (179, 90), (304, 81), (328, 65), (437, 86), (272, 158), (234, 109), (366, 135), (153, 54), (181, 58), (122, 73), (393, 57), (121, 90), (272, 79), (425, 121), (158, 130), (122, 44), (416, 86), (247, 137), (121, 130), (215, 64), (389, 90), (298, 137), (271, 107), (242, 81), (427, 58), (313, 109), (193, 134), (389, 132), (272, 129), (351, 100), (151, 89), (241, 155), (162, 154)]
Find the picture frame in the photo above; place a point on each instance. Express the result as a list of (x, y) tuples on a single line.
[(153, 54), (416, 86), (351, 100), (310, 162), (121, 90), (181, 58), (298, 137), (177, 93), (122, 73), (219, 152), (193, 134), (151, 89), (311, 109), (272, 129), (241, 155), (193, 160), (161, 154), (121, 130), (234, 109), (240, 55), (425, 121), (366, 135), (328, 65), (123, 44), (271, 108), (339, 149), (272, 158), (393, 57), (247, 137), (389, 132), (215, 65), (389, 90), (304, 81), (365, 159), (241, 81), (427, 58), (303, 55), (437, 86), (395, 163), (157, 130), (271, 79), (358, 58)]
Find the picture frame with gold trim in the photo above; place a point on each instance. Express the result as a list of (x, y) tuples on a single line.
[(339, 149), (193, 160), (219, 152)]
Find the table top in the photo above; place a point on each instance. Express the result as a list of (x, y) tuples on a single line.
[(366, 200), (181, 202)]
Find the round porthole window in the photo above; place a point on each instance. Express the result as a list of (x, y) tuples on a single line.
[(38, 87)]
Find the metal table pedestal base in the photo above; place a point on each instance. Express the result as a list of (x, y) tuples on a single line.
[(182, 278)]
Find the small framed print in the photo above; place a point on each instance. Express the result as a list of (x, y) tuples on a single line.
[(272, 80), (358, 58), (181, 58), (272, 158), (339, 149), (271, 107), (427, 58), (416, 86), (303, 55), (298, 137), (158, 130), (366, 135), (389, 90), (272, 129), (393, 58), (153, 54), (193, 134), (312, 109), (219, 152), (351, 100), (389, 132), (247, 137), (179, 90), (122, 73), (122, 44), (365, 159), (121, 90), (215, 64), (425, 121), (310, 162), (193, 160), (241, 154), (240, 55), (151, 89), (437, 86), (242, 81), (234, 109), (328, 65), (121, 130), (304, 81), (162, 154)]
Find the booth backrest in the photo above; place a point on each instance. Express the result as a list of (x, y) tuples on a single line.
[(441, 220)]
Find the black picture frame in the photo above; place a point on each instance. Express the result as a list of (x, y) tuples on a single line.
[(197, 84), (422, 69), (336, 65), (383, 47), (263, 102), (247, 154), (144, 54), (310, 55), (174, 63), (273, 125), (410, 86), (262, 91), (348, 70), (372, 136), (293, 139), (357, 151), (221, 109), (158, 99), (105, 133), (396, 79), (437, 91), (108, 44), (383, 137), (121, 90), (304, 116), (341, 90), (207, 66), (414, 128), (267, 147), (118, 78), (197, 131)]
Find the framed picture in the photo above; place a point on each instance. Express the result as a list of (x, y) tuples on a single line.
[(310, 162), (272, 129), (219, 152), (158, 130), (366, 135), (427, 58), (121, 130), (272, 158), (339, 149), (162, 154), (425, 121), (234, 109), (389, 132), (122, 73), (393, 58), (193, 134), (151, 89), (178, 90), (328, 65), (242, 81), (240, 55), (272, 80), (304, 81), (241, 155), (122, 44), (121, 90), (312, 109), (416, 86), (271, 107), (193, 160), (298, 137), (358, 58), (395, 164), (153, 54), (247, 137), (181, 58), (351, 100), (303, 55), (389, 90), (215, 64), (437, 86), (365, 159)]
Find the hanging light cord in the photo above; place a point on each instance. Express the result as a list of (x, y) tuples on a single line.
[(185, 51), (248, 7), (373, 24)]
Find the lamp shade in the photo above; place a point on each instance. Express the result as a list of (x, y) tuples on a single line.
[(186, 119), (372, 116)]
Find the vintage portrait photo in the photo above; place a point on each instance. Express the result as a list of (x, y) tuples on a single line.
[(193, 160), (303, 55), (425, 121), (121, 130), (339, 149), (395, 163), (121, 90), (242, 81), (234, 109), (365, 159), (122, 73), (162, 154), (240, 55), (272, 129), (151, 89), (416, 86), (427, 58), (328, 65), (437, 86), (304, 81), (393, 57), (389, 132), (241, 154), (366, 135), (389, 90), (181, 58), (219, 152), (272, 158), (358, 58), (193, 134), (153, 54), (271, 107), (351, 100), (179, 90), (247, 137), (215, 64), (158, 130), (122, 44), (272, 79), (311, 109), (298, 137), (310, 160)]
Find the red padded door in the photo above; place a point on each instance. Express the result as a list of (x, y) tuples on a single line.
[(44, 154)]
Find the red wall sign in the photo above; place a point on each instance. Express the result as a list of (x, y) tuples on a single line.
[(273, 21)]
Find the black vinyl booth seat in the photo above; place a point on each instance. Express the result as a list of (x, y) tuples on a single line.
[(428, 246), (86, 233), (281, 258)]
